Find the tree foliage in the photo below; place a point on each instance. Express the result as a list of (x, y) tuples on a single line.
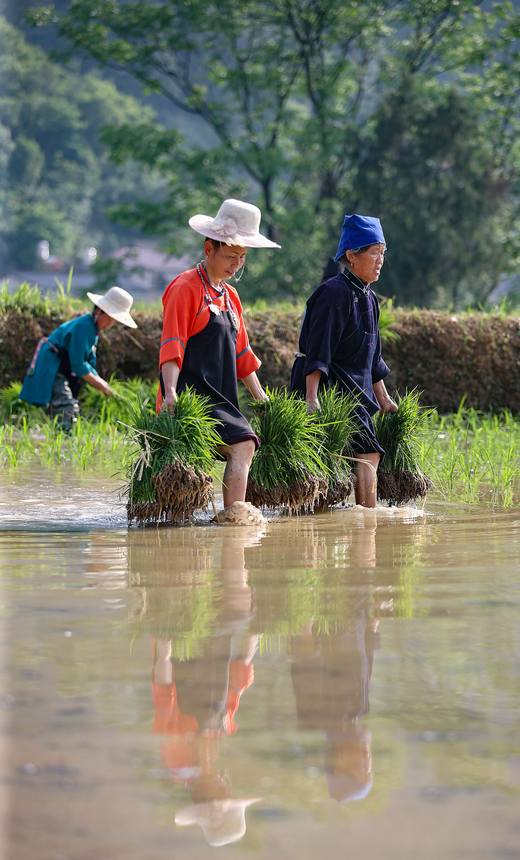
[(433, 180), (57, 180), (314, 108)]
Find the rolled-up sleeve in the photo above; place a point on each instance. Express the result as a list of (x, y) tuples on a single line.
[(328, 321)]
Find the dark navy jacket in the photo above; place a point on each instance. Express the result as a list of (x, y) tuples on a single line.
[(340, 336)]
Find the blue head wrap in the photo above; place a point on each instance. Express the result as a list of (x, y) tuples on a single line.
[(358, 231)]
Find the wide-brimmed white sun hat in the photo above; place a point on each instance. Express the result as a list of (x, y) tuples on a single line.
[(222, 821), (116, 303), (236, 223)]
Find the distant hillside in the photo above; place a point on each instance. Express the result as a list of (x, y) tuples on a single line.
[(58, 183), (46, 39)]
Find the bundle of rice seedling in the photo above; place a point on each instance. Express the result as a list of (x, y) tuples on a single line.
[(288, 470), (338, 423), (129, 396), (168, 475), (399, 477)]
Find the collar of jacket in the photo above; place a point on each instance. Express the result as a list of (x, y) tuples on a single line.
[(356, 282)]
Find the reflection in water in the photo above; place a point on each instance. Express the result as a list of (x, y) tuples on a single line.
[(195, 702), (331, 677), (424, 611), (206, 621), (331, 674)]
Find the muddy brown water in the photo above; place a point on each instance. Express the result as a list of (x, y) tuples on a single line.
[(344, 686)]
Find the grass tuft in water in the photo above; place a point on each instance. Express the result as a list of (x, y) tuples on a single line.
[(288, 471), (400, 478), (337, 423), (129, 396), (474, 457), (167, 475)]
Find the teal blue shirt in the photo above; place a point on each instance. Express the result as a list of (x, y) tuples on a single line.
[(79, 337)]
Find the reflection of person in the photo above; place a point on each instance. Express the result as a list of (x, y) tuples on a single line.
[(68, 355), (331, 676), (340, 343), (205, 344), (195, 703)]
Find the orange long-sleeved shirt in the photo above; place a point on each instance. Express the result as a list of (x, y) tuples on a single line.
[(183, 728), (186, 313)]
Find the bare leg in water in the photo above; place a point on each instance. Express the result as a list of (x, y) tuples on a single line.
[(366, 480), (238, 458)]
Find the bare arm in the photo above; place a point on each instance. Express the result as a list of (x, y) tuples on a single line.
[(252, 383), (99, 383), (170, 373), (386, 404), (312, 381)]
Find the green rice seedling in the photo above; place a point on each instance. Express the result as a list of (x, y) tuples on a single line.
[(473, 457), (288, 471), (129, 396), (500, 457), (9, 455), (36, 436), (27, 298), (12, 409), (25, 443), (440, 451), (168, 473), (400, 479), (387, 320), (338, 423)]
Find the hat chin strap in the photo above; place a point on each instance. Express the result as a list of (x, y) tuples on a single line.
[(242, 270)]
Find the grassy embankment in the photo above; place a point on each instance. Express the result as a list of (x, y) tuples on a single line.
[(470, 454)]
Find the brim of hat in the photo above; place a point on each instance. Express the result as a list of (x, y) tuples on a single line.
[(119, 316), (199, 223)]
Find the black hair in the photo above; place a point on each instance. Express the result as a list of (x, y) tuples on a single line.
[(215, 242)]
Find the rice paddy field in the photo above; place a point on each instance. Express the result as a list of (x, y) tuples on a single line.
[(377, 651), (470, 457)]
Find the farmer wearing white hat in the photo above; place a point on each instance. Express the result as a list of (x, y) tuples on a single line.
[(204, 343), (69, 355)]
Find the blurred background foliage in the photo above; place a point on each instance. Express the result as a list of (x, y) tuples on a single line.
[(57, 178), (311, 108)]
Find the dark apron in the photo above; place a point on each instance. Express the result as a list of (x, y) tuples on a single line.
[(64, 368), (209, 368)]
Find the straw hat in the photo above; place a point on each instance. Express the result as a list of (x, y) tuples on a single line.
[(116, 303), (222, 821), (236, 223)]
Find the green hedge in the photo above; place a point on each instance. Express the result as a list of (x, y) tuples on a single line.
[(448, 356)]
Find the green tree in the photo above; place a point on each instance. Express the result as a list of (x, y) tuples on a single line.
[(57, 180), (433, 178), (293, 101)]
